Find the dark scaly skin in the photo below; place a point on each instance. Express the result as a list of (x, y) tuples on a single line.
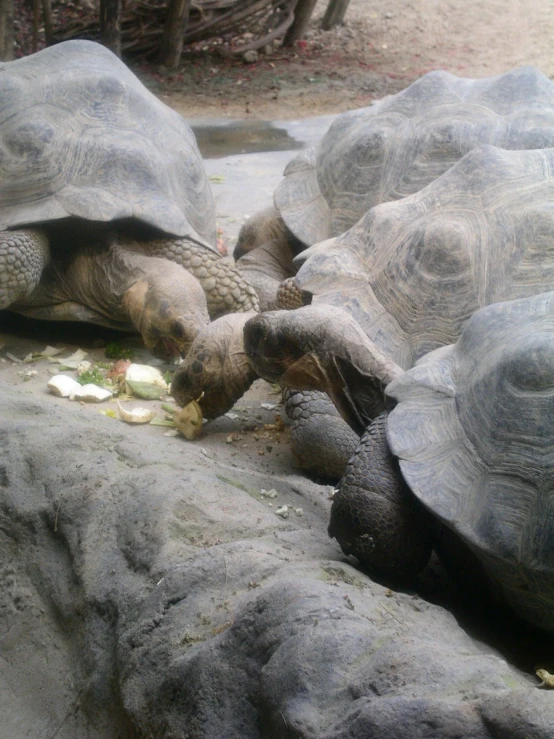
[(375, 516), (226, 289), (290, 296), (23, 256), (321, 441)]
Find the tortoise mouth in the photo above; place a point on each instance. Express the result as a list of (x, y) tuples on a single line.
[(167, 349)]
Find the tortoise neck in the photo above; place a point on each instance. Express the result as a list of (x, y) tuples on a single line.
[(354, 371), (97, 277)]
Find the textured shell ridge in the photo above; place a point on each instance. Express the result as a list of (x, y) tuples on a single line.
[(401, 143), (91, 134), (481, 233), (483, 460)]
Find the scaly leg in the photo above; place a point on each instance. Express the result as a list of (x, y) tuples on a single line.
[(23, 256), (375, 516), (225, 288), (321, 441)]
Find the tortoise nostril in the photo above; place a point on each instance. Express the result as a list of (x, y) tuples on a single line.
[(177, 330)]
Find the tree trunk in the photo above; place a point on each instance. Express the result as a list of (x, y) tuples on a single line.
[(6, 29), (36, 21), (110, 25), (302, 14), (336, 10), (172, 41), (47, 14)]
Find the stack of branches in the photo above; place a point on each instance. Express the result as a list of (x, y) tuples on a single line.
[(142, 23)]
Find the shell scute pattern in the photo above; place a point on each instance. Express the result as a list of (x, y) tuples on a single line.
[(81, 136), (422, 266), (481, 458), (400, 144)]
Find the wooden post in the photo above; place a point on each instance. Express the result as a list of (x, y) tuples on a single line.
[(302, 14), (47, 15), (36, 21), (336, 10), (110, 25), (171, 45), (6, 30)]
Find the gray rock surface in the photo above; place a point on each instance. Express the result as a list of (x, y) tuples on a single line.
[(147, 589)]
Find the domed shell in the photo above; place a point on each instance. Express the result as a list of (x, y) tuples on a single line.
[(411, 272), (81, 136), (405, 141), (474, 434)]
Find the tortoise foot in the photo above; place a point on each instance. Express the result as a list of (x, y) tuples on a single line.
[(374, 515)]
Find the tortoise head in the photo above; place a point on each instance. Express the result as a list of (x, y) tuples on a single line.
[(321, 347), (168, 312), (216, 371)]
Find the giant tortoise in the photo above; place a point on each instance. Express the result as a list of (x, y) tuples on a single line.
[(378, 154), (474, 437), (396, 147), (408, 276), (104, 202)]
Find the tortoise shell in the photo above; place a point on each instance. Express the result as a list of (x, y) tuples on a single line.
[(81, 136), (405, 141), (474, 434), (413, 271)]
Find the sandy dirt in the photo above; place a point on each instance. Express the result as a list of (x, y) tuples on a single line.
[(252, 436), (383, 46)]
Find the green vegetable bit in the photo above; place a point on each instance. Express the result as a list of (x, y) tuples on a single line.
[(114, 350), (92, 375)]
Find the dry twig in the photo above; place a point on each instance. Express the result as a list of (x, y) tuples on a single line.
[(142, 23)]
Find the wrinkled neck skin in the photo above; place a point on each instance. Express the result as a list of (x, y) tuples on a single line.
[(322, 348), (98, 278)]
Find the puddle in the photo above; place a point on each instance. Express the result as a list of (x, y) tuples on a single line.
[(217, 140), (245, 160)]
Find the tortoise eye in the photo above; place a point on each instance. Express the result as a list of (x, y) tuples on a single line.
[(197, 367)]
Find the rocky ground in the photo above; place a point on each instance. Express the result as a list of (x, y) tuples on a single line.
[(148, 587)]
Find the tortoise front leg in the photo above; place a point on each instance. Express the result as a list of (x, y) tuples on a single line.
[(375, 516), (23, 256), (321, 441), (226, 290)]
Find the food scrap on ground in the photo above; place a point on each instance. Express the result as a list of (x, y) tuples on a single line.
[(145, 382), (135, 415)]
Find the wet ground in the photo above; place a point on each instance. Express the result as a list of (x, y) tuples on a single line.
[(245, 162)]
